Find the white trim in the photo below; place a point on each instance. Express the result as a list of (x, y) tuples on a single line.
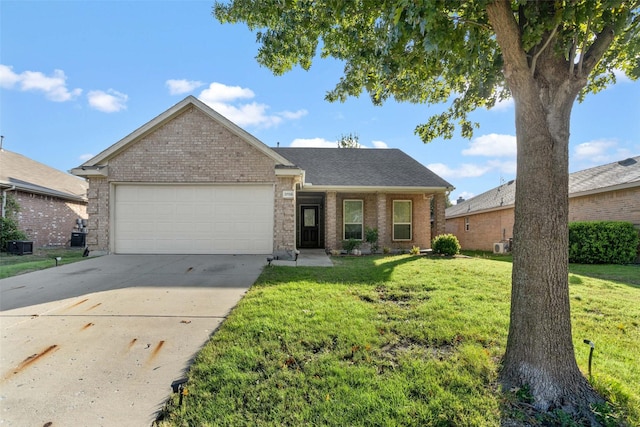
[(344, 237), (393, 221)]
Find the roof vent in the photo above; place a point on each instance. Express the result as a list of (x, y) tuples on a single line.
[(627, 162)]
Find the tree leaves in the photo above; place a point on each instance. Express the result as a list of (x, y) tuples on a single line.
[(438, 51)]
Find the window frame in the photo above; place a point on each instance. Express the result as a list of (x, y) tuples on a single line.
[(345, 223), (394, 223), (466, 223)]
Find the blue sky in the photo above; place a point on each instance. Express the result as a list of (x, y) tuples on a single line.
[(77, 76)]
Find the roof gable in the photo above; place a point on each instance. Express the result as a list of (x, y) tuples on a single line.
[(612, 176), (103, 158), (362, 167), (34, 177)]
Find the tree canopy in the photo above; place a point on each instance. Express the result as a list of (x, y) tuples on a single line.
[(440, 51)]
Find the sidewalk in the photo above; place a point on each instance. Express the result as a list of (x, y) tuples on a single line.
[(307, 258)]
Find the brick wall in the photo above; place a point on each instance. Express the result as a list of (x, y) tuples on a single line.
[(491, 227), (48, 221), (284, 232), (378, 212), (620, 205), (189, 148), (485, 229)]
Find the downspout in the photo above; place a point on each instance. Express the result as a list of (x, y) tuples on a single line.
[(4, 199)]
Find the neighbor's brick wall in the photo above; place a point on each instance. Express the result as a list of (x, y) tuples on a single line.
[(48, 221), (485, 229), (190, 148), (620, 205)]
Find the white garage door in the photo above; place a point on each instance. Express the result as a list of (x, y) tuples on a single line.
[(193, 219)]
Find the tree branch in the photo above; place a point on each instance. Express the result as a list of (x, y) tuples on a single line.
[(572, 56), (586, 38), (535, 57), (508, 35), (597, 49)]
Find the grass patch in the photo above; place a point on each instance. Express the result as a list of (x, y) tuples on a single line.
[(12, 265), (410, 341)]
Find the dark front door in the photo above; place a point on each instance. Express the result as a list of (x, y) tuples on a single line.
[(309, 228)]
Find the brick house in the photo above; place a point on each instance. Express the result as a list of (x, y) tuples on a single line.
[(190, 181), (51, 201), (608, 192)]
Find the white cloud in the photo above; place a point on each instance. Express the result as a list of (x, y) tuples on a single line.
[(379, 144), (110, 101), (84, 157), (224, 99), (492, 145), (314, 142), (600, 151), (466, 170), (178, 87), (218, 92), (293, 115), (53, 87)]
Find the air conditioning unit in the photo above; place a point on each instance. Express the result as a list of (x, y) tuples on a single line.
[(499, 248)]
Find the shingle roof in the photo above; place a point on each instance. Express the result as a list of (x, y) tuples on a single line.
[(34, 177), (593, 180), (361, 167)]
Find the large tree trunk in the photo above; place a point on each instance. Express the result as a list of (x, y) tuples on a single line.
[(540, 351)]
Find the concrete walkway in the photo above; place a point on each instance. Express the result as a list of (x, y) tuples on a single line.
[(308, 258), (98, 342)]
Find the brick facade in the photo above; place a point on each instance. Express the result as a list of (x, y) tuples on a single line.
[(189, 148), (48, 221), (487, 228), (378, 213)]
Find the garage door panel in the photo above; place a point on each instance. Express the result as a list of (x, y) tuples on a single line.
[(197, 219)]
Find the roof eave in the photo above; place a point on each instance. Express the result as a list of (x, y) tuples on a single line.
[(480, 211), (91, 171), (372, 189), (624, 186)]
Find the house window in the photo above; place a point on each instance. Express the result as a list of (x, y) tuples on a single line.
[(466, 224), (352, 219), (402, 220)]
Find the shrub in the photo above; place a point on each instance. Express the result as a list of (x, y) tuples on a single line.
[(415, 250), (350, 245), (446, 244), (371, 237), (9, 225), (602, 242)]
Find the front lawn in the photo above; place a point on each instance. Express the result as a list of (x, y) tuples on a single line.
[(396, 341), (12, 265)]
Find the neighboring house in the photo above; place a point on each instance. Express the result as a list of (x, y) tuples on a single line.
[(190, 181), (609, 192), (51, 201)]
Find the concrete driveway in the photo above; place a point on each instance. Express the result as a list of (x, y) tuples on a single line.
[(98, 342)]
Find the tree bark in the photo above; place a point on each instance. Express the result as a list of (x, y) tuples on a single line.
[(540, 351)]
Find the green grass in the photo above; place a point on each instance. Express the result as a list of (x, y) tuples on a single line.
[(395, 341), (12, 265)]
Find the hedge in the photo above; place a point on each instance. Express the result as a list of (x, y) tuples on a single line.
[(602, 242)]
